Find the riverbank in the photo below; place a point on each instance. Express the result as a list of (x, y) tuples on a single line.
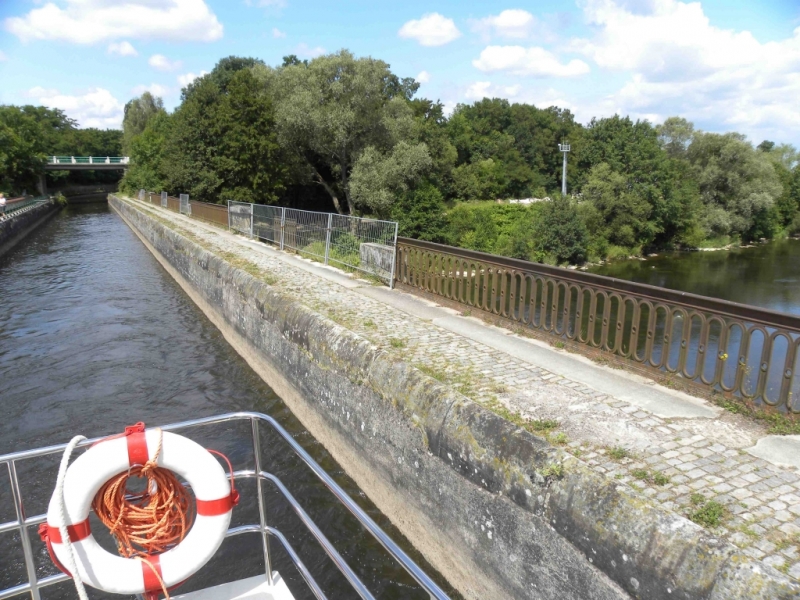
[(18, 225), (424, 409)]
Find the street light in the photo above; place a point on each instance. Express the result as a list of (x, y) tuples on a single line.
[(564, 148)]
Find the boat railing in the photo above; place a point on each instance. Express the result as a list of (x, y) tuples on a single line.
[(23, 521)]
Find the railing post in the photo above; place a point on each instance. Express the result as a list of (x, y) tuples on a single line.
[(251, 221), (328, 237), (394, 259), (229, 215), (261, 508), (91, 160), (30, 564), (283, 223)]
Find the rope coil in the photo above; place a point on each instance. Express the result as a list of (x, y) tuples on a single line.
[(148, 523)]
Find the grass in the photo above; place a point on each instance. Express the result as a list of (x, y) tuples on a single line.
[(559, 438), (554, 471), (542, 425), (397, 343), (710, 514), (650, 477), (369, 324), (618, 453)]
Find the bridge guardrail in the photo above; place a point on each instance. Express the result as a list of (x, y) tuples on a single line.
[(709, 344), (16, 204), (88, 160)]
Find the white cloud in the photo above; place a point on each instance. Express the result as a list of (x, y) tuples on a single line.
[(188, 78), (91, 21), (277, 33), (514, 23), (527, 61), (154, 88), (303, 50), (95, 108), (681, 64), (423, 77), (432, 29), (162, 63), (122, 48)]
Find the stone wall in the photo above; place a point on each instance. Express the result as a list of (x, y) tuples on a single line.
[(15, 227), (500, 512)]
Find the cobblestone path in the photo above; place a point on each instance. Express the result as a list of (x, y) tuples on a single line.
[(697, 467)]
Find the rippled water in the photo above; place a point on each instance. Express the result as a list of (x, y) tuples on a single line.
[(95, 335), (766, 275)]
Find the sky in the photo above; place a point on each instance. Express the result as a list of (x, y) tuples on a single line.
[(726, 65)]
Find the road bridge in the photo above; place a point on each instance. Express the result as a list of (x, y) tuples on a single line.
[(86, 163)]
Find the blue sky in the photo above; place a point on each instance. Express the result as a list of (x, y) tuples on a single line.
[(724, 64)]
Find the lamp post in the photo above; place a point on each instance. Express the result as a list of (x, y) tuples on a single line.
[(564, 148)]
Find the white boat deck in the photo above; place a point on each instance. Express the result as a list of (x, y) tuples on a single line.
[(252, 588)]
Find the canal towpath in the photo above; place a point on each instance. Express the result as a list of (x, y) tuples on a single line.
[(675, 450)]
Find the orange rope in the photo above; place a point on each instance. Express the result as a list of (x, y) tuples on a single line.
[(151, 523)]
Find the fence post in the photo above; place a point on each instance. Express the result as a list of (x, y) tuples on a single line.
[(229, 215), (251, 221), (394, 259), (283, 223), (328, 238)]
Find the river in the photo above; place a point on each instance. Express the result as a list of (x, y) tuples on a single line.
[(767, 275), (95, 335)]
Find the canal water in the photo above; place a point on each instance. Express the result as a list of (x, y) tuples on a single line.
[(767, 275), (95, 335)]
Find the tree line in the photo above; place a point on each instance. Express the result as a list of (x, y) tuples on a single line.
[(346, 134), (29, 134)]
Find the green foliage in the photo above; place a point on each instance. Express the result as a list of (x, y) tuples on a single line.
[(138, 113), (331, 110), (710, 514), (560, 233), (420, 214), (618, 453), (738, 185), (377, 178), (222, 143)]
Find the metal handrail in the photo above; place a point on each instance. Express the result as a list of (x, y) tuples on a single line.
[(651, 329), (23, 522), (19, 204)]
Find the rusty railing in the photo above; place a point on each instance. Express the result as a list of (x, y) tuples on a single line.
[(216, 214), (703, 343)]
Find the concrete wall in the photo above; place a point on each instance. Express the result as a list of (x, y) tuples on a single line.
[(14, 229), (476, 495)]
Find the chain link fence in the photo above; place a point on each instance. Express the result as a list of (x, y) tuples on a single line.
[(353, 244)]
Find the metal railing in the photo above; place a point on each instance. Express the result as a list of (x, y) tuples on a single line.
[(216, 214), (351, 243), (23, 522), (88, 160), (18, 204), (707, 344)]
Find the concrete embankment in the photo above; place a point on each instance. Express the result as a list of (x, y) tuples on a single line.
[(16, 226), (499, 511)]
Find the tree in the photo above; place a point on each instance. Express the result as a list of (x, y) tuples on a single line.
[(330, 111), (624, 213), (28, 134), (559, 234), (675, 135), (138, 113), (738, 185), (379, 178), (222, 142), (420, 214)]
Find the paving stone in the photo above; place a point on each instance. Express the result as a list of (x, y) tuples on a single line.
[(766, 497)]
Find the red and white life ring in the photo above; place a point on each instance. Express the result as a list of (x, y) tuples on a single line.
[(113, 573)]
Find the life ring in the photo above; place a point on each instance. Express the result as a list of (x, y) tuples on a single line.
[(112, 573)]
